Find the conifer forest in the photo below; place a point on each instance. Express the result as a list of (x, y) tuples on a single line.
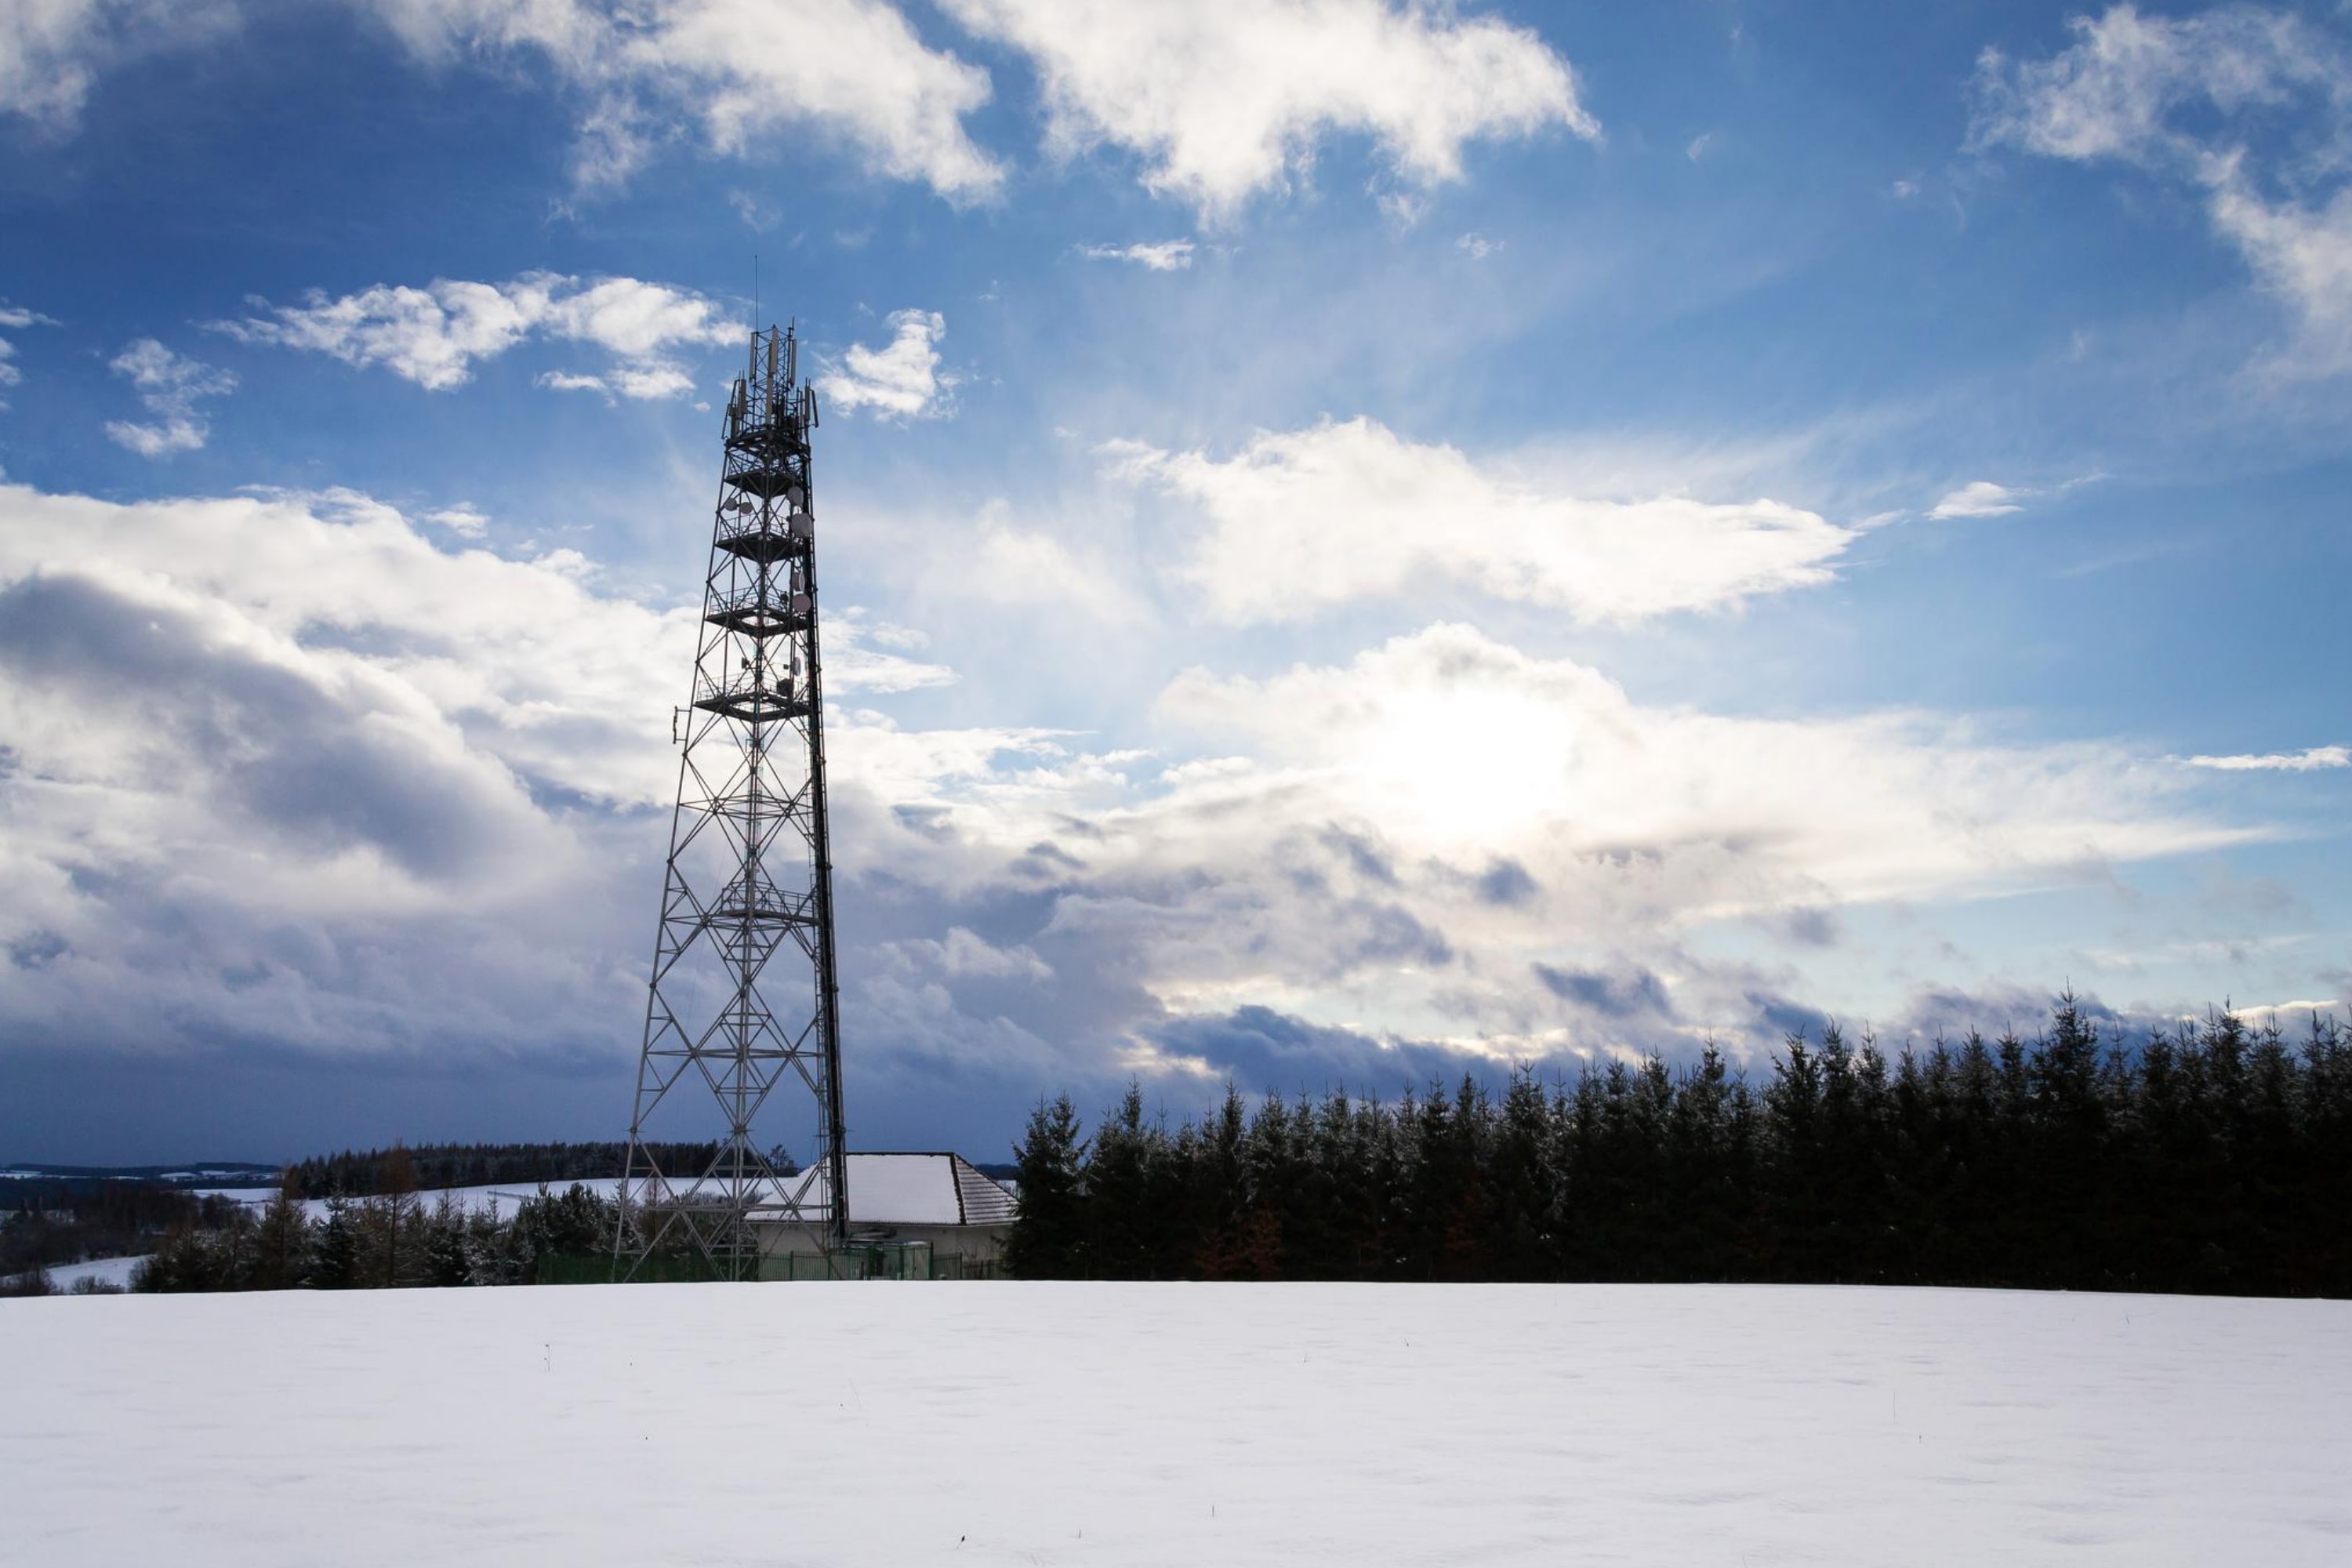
[(2208, 1158)]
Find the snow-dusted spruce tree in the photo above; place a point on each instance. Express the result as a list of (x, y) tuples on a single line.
[(575, 1224), (335, 1261), (1048, 1237), (448, 1259)]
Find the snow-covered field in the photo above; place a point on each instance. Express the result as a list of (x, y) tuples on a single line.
[(1055, 1424), (110, 1271), (501, 1200)]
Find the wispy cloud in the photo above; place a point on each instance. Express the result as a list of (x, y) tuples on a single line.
[(2190, 99), (2312, 761), (465, 519), (1161, 256), (170, 385), (14, 317), (52, 51)]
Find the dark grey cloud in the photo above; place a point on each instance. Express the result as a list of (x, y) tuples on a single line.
[(1632, 992), (36, 948), (330, 770), (1506, 885), (1265, 1051)]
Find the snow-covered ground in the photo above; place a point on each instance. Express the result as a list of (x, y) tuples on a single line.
[(501, 1200), (1053, 1424), (112, 1270)]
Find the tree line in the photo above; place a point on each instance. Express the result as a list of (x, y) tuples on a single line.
[(2209, 1157), (73, 1221), (366, 1174), (396, 1238)]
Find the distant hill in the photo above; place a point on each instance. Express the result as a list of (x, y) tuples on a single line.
[(193, 1174)]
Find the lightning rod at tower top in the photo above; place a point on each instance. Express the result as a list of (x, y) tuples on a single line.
[(742, 1037)]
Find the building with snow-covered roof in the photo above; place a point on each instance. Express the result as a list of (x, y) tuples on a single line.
[(941, 1204)]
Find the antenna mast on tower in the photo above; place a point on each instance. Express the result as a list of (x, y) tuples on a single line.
[(743, 1009)]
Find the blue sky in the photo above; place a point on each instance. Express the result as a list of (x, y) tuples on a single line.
[(1361, 541)]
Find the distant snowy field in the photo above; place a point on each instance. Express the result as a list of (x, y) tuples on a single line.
[(499, 1200), (114, 1271), (1179, 1425)]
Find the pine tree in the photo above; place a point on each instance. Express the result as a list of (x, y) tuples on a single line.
[(1118, 1181), (335, 1263), (447, 1259), (1048, 1236)]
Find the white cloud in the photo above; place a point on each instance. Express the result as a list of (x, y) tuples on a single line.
[(1163, 255), (14, 317), (644, 381), (170, 386), (2304, 762), (1299, 522), (1399, 837), (380, 791), (854, 661), (326, 792), (52, 51), (1699, 146), (1445, 739), (2305, 255), (44, 72), (1979, 498), (375, 791), (757, 215), (1477, 246), (1224, 100), (741, 71), (967, 955), (901, 380), (2185, 98), (436, 335), (1020, 567), (465, 519), (2116, 92)]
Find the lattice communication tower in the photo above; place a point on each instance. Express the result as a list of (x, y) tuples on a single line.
[(745, 1006)]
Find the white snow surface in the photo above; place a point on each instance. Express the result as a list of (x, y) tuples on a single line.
[(113, 1271), (501, 1200), (1049, 1424), (900, 1189)]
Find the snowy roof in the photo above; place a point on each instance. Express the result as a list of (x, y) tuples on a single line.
[(923, 1189), (909, 1189)]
